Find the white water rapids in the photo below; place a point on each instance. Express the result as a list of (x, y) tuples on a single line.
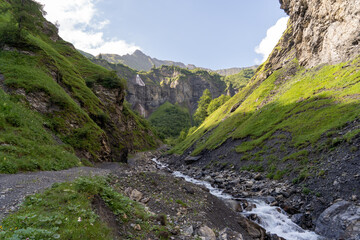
[(271, 219)]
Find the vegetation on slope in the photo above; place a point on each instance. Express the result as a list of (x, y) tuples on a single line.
[(241, 79), (216, 103), (169, 120), (304, 103), (203, 104), (24, 143), (68, 211), (207, 105), (41, 72)]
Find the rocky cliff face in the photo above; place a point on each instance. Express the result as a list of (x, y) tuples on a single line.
[(319, 32), (171, 84), (146, 91)]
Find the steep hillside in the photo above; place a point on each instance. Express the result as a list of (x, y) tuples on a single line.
[(57, 101), (233, 71), (240, 79), (298, 118)]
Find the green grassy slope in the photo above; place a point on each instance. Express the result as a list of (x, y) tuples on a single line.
[(25, 145), (71, 211), (47, 75), (240, 79), (306, 105)]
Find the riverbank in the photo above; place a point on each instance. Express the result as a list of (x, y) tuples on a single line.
[(339, 219)]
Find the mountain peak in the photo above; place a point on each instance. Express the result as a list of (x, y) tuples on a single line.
[(138, 53)]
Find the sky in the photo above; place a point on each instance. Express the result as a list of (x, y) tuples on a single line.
[(215, 34)]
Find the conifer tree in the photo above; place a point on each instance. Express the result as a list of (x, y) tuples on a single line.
[(24, 15), (27, 14), (203, 103)]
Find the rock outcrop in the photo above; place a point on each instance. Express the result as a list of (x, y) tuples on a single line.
[(324, 31), (146, 91), (319, 32), (340, 221), (171, 84)]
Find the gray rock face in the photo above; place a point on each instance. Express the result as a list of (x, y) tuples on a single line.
[(171, 84), (319, 32), (323, 31), (340, 221)]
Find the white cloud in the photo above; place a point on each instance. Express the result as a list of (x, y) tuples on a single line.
[(273, 35), (81, 25)]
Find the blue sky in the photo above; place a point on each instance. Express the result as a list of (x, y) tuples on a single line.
[(208, 33)]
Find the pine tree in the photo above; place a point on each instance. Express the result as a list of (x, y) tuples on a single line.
[(203, 103), (25, 15)]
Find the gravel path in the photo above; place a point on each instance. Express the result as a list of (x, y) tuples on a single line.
[(15, 187)]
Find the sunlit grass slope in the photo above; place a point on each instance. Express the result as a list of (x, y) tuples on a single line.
[(304, 102)]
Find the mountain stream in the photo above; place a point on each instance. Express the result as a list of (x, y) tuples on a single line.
[(270, 218)]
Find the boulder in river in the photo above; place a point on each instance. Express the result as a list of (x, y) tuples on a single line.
[(340, 221)]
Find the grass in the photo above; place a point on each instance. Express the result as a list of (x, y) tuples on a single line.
[(309, 104), (24, 143), (65, 211), (241, 79), (52, 74)]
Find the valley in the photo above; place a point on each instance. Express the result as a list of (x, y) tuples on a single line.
[(133, 147)]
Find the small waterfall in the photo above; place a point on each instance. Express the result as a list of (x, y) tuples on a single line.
[(139, 81), (273, 219)]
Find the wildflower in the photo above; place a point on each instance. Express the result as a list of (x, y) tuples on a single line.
[(79, 219)]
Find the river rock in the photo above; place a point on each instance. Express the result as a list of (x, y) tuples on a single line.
[(340, 221), (258, 177), (136, 195), (228, 234), (254, 230), (234, 205), (297, 218), (188, 231), (191, 159), (206, 233)]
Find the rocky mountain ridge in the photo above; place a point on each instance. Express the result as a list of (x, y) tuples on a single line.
[(142, 62), (146, 91)]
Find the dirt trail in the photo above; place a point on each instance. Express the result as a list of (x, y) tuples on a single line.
[(15, 187), (187, 206)]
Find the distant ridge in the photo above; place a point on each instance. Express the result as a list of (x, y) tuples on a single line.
[(142, 62), (139, 61)]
